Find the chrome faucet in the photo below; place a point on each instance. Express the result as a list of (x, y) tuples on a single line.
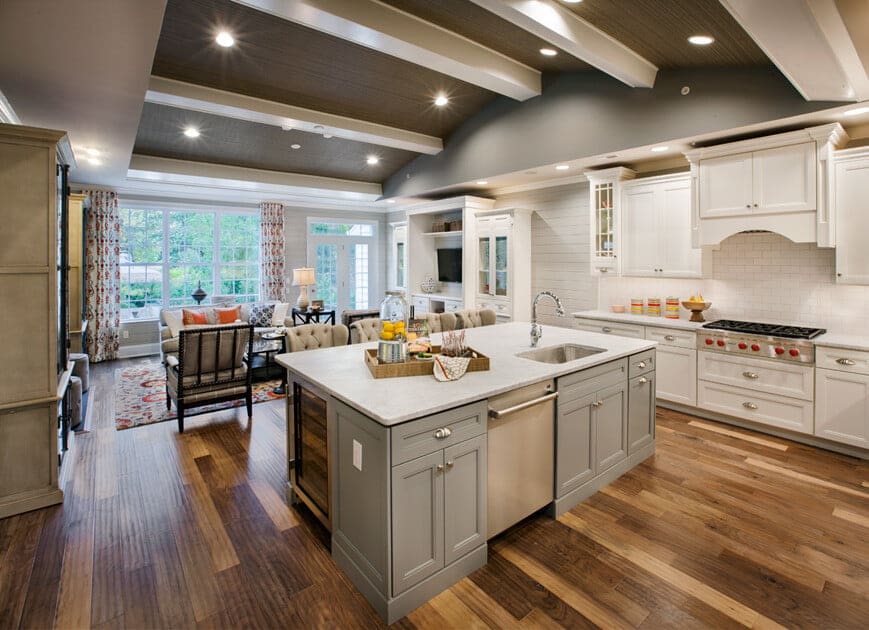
[(536, 330)]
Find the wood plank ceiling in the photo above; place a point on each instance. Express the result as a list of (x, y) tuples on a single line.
[(284, 62)]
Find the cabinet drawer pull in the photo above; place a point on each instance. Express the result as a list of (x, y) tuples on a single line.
[(641, 364), (749, 405), (844, 361), (607, 329), (751, 375), (439, 468), (669, 338), (597, 403), (643, 380), (603, 270), (443, 433), (449, 464), (500, 413)]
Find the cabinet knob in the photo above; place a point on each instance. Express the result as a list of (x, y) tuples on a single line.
[(751, 375), (749, 405), (449, 464), (669, 338), (597, 403), (643, 380), (439, 468), (755, 205), (607, 329), (603, 270), (748, 205), (844, 361), (641, 364), (838, 275), (443, 433)]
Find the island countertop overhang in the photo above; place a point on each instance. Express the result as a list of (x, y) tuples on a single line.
[(341, 371)]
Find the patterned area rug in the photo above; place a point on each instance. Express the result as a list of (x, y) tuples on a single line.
[(140, 396)]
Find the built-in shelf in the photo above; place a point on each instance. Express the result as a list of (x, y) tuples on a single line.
[(451, 233)]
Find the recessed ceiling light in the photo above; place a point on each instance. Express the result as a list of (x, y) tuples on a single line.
[(548, 52), (295, 146), (659, 149), (482, 182), (372, 159), (94, 161), (441, 100), (701, 40), (191, 132), (562, 167), (224, 39), (856, 111)]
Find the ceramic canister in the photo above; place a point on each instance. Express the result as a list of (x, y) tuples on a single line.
[(672, 308), (653, 306), (637, 306)]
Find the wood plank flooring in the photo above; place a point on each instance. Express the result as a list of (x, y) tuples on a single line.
[(721, 528)]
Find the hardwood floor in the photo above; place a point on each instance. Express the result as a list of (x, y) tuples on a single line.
[(721, 528)]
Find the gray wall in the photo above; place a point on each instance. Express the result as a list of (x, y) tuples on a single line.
[(587, 113)]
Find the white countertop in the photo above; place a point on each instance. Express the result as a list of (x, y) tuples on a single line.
[(836, 340), (643, 320), (342, 372)]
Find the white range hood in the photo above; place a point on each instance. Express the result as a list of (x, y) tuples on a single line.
[(781, 183)]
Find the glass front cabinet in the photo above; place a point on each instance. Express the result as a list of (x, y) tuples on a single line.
[(605, 193), (503, 274)]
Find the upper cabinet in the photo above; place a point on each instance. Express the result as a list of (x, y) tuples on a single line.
[(503, 262), (605, 193), (780, 183), (852, 219), (656, 228)]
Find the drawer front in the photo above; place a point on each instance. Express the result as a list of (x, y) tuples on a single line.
[(420, 437), (670, 337), (641, 363), (854, 361), (420, 305), (451, 306), (610, 328), (786, 379), (776, 411), (587, 382)]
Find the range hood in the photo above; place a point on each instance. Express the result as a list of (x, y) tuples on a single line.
[(780, 183)]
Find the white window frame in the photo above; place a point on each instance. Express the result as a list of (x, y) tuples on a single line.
[(397, 234)]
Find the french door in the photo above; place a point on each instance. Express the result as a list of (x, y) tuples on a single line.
[(344, 269)]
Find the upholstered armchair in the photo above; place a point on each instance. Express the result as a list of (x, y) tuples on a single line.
[(210, 367), (313, 336), (472, 318), (364, 330)]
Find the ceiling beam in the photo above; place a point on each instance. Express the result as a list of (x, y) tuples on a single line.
[(566, 30), (393, 32), (199, 98), (809, 41)]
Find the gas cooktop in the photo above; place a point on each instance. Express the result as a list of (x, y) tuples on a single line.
[(769, 330)]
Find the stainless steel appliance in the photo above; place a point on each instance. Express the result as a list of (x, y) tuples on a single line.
[(762, 341), (520, 454)]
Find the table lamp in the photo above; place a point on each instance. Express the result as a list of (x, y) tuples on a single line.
[(302, 278)]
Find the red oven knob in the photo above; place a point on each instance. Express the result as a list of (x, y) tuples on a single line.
[(708, 342), (755, 347), (794, 352), (742, 345), (779, 350), (721, 343)]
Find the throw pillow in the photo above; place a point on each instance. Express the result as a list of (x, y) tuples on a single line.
[(227, 315), (261, 315), (174, 320), (281, 309), (193, 317)]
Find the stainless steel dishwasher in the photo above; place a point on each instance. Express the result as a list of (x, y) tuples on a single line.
[(521, 445)]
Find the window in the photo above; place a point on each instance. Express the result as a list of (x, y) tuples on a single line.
[(167, 254), (398, 257), (342, 257)]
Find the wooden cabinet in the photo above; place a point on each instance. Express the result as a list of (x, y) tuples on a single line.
[(503, 263), (641, 410), (656, 228), (852, 219), (604, 201)]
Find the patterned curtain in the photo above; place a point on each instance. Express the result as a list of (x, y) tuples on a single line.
[(273, 279), (103, 299)]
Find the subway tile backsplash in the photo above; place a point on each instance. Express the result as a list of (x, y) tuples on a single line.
[(761, 277)]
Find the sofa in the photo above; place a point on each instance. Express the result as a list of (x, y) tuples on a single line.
[(171, 321)]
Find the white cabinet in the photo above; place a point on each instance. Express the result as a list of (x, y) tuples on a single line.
[(677, 364), (842, 396), (656, 228), (502, 269), (605, 197), (782, 179), (852, 218)]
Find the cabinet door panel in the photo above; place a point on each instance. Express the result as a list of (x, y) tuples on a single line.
[(609, 428), (573, 447), (639, 231), (852, 222), (725, 186), (676, 375), (417, 521), (842, 407), (677, 258), (464, 498), (784, 179), (641, 411)]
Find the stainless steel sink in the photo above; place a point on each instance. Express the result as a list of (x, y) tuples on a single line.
[(560, 354)]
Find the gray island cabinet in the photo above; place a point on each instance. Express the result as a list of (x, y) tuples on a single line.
[(398, 469)]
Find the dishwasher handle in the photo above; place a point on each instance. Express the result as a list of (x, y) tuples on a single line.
[(497, 414)]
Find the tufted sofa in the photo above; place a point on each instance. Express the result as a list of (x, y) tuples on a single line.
[(313, 336), (473, 318), (364, 330)]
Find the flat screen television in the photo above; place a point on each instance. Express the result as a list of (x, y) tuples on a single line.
[(450, 265)]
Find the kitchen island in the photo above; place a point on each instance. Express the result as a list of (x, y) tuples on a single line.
[(397, 468)]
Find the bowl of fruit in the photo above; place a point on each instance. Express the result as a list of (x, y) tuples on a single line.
[(696, 304)]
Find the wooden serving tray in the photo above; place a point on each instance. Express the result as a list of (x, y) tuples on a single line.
[(415, 367)]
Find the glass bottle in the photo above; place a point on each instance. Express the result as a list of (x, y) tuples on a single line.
[(393, 328)]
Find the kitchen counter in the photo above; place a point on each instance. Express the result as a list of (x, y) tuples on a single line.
[(342, 372), (642, 320), (845, 341)]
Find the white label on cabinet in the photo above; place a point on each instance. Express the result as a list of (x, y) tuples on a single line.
[(357, 455)]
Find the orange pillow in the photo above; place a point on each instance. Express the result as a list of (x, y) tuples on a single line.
[(228, 315), (191, 317)]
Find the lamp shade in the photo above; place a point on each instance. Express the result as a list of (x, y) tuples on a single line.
[(303, 276)]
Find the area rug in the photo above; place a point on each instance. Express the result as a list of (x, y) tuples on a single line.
[(140, 396)]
